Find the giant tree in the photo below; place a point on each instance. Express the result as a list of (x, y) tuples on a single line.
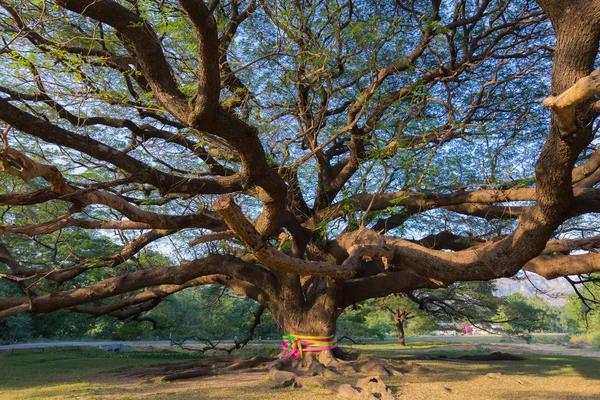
[(319, 153)]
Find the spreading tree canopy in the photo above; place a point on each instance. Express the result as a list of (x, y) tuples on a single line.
[(307, 154)]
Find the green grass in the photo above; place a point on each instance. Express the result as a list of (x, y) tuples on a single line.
[(55, 373), (89, 373)]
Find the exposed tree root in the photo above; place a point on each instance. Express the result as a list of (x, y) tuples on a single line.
[(219, 368), (323, 369), (210, 367), (326, 371)]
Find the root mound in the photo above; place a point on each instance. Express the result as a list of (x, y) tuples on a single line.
[(361, 378), (325, 371)]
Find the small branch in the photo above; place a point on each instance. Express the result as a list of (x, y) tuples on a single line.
[(350, 339), (7, 258), (238, 344), (5, 137), (564, 104), (212, 237), (18, 164)]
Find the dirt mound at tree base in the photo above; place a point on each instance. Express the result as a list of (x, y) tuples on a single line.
[(325, 371), (361, 378)]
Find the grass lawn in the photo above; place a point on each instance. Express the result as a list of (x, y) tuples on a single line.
[(89, 373)]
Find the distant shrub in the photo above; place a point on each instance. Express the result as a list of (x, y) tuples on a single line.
[(130, 330), (526, 337), (552, 339), (585, 338), (596, 341), (15, 329)]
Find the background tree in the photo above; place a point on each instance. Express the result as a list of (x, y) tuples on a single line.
[(343, 150), (466, 302), (579, 315), (363, 321), (401, 310), (521, 317)]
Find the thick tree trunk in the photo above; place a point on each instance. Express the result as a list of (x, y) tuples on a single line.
[(312, 322), (308, 309)]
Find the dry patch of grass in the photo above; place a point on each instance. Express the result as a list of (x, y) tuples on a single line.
[(538, 377)]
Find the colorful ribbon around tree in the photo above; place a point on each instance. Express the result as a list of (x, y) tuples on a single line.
[(296, 345)]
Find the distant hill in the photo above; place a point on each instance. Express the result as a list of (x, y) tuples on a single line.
[(553, 291)]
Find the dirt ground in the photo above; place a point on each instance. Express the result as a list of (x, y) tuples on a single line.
[(542, 375), (549, 371)]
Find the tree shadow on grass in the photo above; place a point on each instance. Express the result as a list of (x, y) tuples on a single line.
[(33, 368), (534, 364)]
